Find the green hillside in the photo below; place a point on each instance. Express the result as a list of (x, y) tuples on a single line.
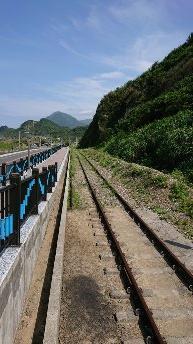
[(6, 132), (44, 128), (149, 120)]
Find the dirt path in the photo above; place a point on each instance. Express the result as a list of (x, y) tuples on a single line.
[(86, 309), (86, 313), (93, 292)]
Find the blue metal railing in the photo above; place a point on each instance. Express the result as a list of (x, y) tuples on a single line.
[(25, 202), (20, 199), (6, 227), (22, 165)]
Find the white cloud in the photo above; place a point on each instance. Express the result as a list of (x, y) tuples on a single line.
[(138, 10), (67, 47), (87, 91), (112, 75), (126, 61), (75, 23), (93, 20), (59, 28), (136, 55), (79, 96), (157, 45), (137, 47), (127, 47), (146, 49)]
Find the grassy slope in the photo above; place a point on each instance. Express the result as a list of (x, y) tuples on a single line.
[(73, 193), (149, 120)]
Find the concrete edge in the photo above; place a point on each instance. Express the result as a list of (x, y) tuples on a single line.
[(51, 333), (17, 264)]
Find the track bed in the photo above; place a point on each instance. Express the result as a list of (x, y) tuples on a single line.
[(94, 299), (159, 303)]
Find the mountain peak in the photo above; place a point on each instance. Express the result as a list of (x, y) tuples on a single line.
[(65, 120)]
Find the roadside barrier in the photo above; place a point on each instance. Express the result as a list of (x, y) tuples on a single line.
[(22, 165), (20, 199)]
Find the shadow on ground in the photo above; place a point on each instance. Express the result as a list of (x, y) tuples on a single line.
[(87, 314)]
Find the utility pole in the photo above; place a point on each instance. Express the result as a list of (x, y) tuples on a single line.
[(40, 141), (28, 154), (19, 139)]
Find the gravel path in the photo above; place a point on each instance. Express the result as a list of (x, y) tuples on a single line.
[(86, 313), (93, 294), (114, 180), (107, 197), (86, 308)]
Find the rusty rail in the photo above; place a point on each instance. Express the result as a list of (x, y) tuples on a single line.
[(156, 336), (185, 275)]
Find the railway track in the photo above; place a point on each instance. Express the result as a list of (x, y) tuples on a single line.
[(159, 285)]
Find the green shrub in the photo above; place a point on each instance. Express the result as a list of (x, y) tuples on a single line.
[(160, 181), (165, 144)]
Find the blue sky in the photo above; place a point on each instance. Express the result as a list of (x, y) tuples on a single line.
[(65, 55)]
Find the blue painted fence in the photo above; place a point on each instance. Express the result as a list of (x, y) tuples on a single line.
[(6, 227), (20, 199), (22, 165)]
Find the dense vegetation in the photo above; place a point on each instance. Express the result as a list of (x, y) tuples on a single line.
[(150, 120), (8, 145)]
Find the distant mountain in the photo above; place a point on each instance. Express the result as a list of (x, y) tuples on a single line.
[(65, 120), (3, 128), (6, 132), (85, 122), (56, 125), (43, 127)]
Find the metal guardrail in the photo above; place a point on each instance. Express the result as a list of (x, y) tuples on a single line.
[(22, 165), (20, 199)]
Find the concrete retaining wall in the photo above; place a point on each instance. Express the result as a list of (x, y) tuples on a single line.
[(17, 265), (53, 313)]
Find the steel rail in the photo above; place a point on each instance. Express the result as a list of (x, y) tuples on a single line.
[(157, 337), (178, 266)]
